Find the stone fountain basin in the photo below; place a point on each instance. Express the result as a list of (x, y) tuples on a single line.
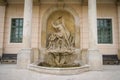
[(59, 71)]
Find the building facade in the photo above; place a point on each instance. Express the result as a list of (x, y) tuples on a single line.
[(23, 24)]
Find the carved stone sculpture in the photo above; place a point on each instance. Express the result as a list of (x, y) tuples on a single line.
[(60, 46)]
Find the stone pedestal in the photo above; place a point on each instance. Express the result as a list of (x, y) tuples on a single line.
[(118, 54), (42, 54), (1, 52), (36, 54), (84, 56), (78, 57), (95, 60), (24, 57)]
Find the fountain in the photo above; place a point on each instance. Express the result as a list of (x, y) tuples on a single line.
[(60, 55), (60, 51)]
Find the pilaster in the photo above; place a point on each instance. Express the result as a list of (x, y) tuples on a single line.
[(25, 55), (118, 10), (94, 57), (27, 23), (2, 23)]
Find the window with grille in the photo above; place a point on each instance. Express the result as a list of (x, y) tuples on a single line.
[(104, 31), (16, 30)]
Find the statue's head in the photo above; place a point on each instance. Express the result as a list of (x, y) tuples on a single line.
[(58, 21)]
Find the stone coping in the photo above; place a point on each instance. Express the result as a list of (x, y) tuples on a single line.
[(59, 71)]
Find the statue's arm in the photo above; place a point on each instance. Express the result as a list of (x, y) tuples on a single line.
[(53, 25)]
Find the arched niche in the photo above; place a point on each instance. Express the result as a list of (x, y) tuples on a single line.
[(72, 23)]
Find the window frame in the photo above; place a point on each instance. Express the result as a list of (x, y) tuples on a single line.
[(112, 33), (11, 19)]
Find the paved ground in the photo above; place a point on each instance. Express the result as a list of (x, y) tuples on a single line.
[(10, 72)]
